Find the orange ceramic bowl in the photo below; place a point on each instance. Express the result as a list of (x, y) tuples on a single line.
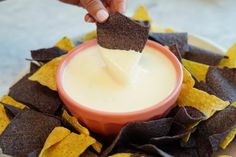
[(109, 123)]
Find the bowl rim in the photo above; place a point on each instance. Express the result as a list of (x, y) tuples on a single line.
[(74, 104)]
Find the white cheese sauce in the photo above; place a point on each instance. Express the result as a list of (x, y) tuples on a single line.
[(88, 81)]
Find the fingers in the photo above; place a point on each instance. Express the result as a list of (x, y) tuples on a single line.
[(88, 18), (119, 5), (96, 9)]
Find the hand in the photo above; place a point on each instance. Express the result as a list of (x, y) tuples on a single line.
[(98, 10)]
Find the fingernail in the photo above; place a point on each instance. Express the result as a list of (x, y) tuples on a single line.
[(101, 15)]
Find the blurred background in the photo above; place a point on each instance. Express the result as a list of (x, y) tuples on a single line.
[(32, 24)]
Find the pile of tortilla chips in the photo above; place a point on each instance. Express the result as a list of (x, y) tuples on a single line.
[(34, 121)]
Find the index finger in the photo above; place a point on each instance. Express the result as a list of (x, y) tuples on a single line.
[(95, 9)]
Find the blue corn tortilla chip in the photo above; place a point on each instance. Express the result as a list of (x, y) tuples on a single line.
[(27, 133), (168, 139), (89, 153), (140, 133), (35, 153), (191, 143), (141, 155), (47, 54), (200, 55), (212, 132), (135, 152), (188, 115), (173, 151), (220, 82), (143, 23), (168, 39), (183, 117), (155, 136), (175, 50), (151, 137), (152, 149), (204, 148), (216, 128), (35, 95), (33, 67), (203, 86), (121, 32), (11, 111)]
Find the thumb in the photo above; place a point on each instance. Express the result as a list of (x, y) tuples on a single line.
[(95, 9)]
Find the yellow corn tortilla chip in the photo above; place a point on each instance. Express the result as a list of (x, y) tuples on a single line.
[(46, 75), (121, 155), (169, 30), (4, 120), (198, 70), (233, 104), (156, 29), (204, 102), (89, 36), (10, 101), (74, 122), (65, 44), (97, 146), (57, 135), (187, 80), (231, 61), (141, 14), (229, 138), (186, 138), (71, 145)]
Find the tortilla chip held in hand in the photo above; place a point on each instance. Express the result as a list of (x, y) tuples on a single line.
[(120, 32)]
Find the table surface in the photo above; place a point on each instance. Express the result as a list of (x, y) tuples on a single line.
[(27, 25)]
